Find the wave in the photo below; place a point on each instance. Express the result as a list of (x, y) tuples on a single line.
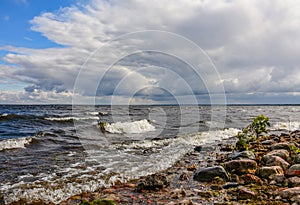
[(15, 143), (71, 119), (97, 113), (290, 126), (54, 189), (135, 127)]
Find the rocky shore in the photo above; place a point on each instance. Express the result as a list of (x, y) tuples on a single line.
[(266, 173)]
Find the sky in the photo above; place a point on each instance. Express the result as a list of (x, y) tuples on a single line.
[(150, 52)]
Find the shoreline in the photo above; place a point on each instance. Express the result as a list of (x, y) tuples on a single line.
[(248, 180)]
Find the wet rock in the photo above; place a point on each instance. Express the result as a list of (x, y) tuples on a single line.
[(153, 182), (229, 185), (294, 181), (282, 145), (2, 199), (192, 167), (265, 172), (284, 154), (198, 148), (244, 154), (294, 170), (241, 166), (204, 148), (205, 194), (289, 193), (277, 161), (208, 174), (245, 193)]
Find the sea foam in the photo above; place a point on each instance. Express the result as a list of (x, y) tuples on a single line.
[(15, 143), (140, 126)]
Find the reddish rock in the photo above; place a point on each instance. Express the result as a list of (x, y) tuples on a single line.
[(245, 193), (289, 193), (294, 170), (251, 179), (294, 182), (284, 154), (277, 161), (242, 166)]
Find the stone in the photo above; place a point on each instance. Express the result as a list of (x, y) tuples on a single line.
[(210, 173), (294, 170), (153, 182), (267, 142), (284, 154), (251, 179), (282, 145), (277, 161), (244, 154), (296, 159), (229, 185), (266, 172), (278, 178), (184, 176), (205, 194), (289, 193), (245, 193), (241, 166), (294, 181)]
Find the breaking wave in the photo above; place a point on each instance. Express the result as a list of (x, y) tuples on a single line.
[(70, 119), (15, 143), (135, 127)]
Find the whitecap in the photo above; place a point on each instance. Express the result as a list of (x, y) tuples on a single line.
[(14, 143), (140, 126)]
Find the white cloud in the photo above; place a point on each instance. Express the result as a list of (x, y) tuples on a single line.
[(254, 44)]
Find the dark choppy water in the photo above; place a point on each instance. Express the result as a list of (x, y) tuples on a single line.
[(51, 152)]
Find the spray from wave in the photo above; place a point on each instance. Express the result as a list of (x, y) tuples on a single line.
[(135, 127)]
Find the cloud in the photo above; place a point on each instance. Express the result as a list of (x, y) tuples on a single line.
[(255, 46)]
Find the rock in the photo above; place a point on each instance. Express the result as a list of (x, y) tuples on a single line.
[(244, 154), (296, 159), (245, 193), (184, 176), (289, 193), (284, 154), (282, 145), (153, 182), (192, 167), (277, 161), (229, 185), (294, 170), (294, 181), (227, 148), (267, 142), (2, 199), (278, 178), (208, 174), (241, 166), (265, 172), (205, 194), (204, 148), (251, 179)]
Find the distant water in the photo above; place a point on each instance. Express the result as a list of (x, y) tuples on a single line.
[(52, 152)]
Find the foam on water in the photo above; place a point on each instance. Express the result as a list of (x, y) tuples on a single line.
[(71, 118), (14, 143), (140, 126), (119, 165), (289, 126)]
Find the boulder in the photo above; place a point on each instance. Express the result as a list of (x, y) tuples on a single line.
[(266, 172), (282, 145), (294, 182), (284, 154), (153, 182), (277, 161), (294, 170), (241, 166), (296, 159), (289, 193), (242, 155), (209, 173)]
